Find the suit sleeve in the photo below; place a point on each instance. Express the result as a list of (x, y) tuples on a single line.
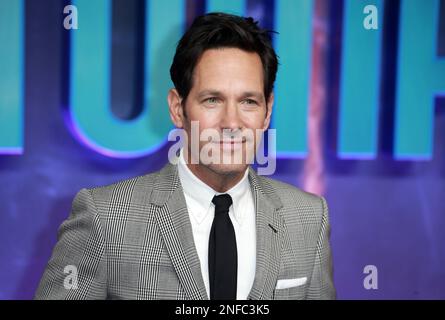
[(322, 286), (77, 268)]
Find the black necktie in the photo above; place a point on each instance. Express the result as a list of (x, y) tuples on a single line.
[(223, 258)]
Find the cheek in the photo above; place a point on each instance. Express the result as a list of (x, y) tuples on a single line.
[(203, 119), (256, 121), (207, 121)]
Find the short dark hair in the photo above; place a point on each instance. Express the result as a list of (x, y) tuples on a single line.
[(221, 30)]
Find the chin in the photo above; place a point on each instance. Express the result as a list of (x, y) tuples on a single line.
[(227, 169)]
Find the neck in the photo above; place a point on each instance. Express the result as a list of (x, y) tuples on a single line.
[(220, 182)]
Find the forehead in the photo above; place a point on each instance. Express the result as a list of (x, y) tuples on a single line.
[(226, 68)]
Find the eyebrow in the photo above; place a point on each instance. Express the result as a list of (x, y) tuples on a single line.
[(245, 94)]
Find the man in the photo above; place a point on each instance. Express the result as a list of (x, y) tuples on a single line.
[(201, 229)]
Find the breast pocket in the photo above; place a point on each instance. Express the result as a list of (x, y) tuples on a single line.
[(293, 293)]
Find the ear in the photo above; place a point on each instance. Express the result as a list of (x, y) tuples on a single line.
[(269, 105), (175, 108)]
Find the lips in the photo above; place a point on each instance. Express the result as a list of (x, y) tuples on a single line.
[(233, 141)]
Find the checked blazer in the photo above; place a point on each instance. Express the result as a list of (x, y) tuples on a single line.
[(133, 240)]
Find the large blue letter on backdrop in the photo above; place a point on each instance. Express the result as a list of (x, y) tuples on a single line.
[(90, 108)]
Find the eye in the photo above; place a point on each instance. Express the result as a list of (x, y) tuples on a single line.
[(250, 102), (211, 100)]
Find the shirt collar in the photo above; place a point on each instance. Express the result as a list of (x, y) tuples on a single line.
[(203, 194)]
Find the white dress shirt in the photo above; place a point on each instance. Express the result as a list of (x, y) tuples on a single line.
[(198, 196)]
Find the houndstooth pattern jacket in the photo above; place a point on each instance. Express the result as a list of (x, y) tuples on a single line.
[(133, 240)]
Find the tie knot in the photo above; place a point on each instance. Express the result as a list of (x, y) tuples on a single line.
[(222, 202)]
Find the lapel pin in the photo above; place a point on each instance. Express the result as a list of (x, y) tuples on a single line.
[(274, 230)]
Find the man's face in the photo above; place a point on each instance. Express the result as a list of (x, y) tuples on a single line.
[(227, 98)]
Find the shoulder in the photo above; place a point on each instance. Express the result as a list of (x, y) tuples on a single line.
[(134, 190), (288, 193), (295, 201)]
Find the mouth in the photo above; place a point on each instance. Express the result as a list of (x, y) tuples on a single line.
[(232, 141), (231, 145)]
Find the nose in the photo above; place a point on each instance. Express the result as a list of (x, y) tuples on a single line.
[(231, 119)]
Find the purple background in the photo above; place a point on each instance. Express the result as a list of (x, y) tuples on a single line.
[(383, 212)]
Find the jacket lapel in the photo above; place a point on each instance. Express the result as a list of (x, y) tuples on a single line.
[(269, 233), (175, 227)]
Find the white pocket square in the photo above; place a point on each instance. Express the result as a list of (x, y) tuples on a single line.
[(289, 283)]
